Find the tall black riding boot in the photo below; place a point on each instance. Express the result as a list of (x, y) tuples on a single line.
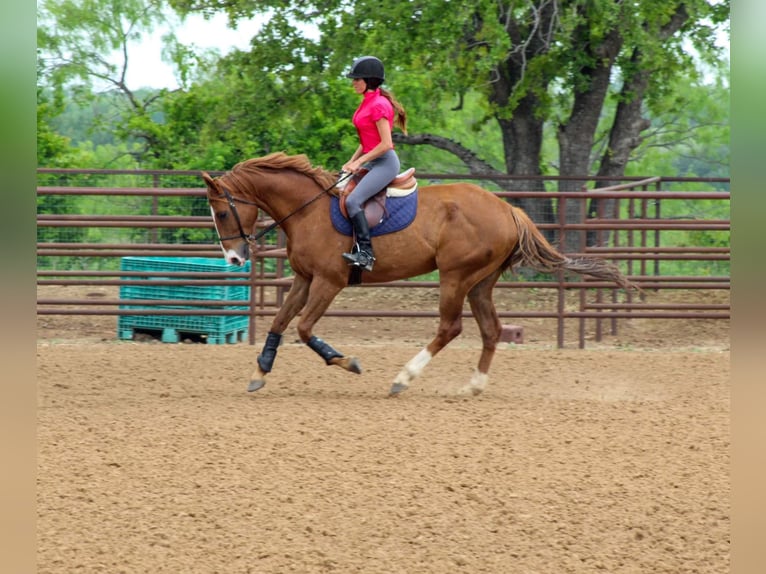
[(361, 255)]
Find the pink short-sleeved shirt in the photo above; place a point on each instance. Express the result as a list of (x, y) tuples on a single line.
[(373, 107)]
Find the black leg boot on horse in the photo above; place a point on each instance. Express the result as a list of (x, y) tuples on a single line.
[(361, 255)]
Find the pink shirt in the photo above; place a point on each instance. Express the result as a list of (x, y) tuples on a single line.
[(373, 107)]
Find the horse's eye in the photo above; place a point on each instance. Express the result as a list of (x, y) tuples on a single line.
[(221, 215)]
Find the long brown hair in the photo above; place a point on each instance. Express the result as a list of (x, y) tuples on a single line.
[(400, 114)]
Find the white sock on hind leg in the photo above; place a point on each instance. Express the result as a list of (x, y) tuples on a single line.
[(413, 368)]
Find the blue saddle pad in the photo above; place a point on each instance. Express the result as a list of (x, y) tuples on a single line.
[(400, 211)]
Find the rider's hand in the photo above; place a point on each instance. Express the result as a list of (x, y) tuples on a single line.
[(351, 166)]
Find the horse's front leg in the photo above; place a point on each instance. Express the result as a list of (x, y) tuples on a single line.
[(321, 295), (294, 302)]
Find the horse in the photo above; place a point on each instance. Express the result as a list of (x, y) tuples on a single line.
[(467, 233)]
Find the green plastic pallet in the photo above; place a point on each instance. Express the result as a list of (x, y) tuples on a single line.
[(216, 329)]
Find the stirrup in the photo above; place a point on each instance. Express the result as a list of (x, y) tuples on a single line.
[(361, 259)]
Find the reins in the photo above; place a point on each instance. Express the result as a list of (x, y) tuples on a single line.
[(251, 239)]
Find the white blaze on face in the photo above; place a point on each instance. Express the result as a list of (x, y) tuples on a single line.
[(215, 223)]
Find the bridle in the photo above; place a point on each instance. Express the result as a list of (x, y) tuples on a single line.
[(233, 208), (252, 239)]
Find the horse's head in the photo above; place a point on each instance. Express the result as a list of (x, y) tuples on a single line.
[(234, 219)]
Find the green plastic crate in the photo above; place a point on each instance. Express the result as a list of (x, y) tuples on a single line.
[(217, 330)]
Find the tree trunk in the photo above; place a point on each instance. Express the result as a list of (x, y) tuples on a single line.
[(629, 123), (576, 135), (522, 141), (522, 131)]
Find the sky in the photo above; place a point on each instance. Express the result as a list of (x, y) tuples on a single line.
[(146, 68)]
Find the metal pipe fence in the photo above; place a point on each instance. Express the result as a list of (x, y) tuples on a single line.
[(85, 230)]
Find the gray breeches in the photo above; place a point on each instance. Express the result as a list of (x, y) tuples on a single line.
[(382, 171)]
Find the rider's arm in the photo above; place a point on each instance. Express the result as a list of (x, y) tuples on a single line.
[(386, 143)]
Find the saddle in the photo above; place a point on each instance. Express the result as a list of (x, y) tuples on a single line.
[(375, 207)]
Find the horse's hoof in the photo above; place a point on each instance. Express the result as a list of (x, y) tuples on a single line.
[(255, 385), (354, 366), (397, 388)]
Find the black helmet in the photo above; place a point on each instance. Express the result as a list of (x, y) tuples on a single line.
[(367, 67)]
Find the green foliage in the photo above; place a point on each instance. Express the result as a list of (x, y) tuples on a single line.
[(83, 55), (690, 133), (288, 91), (481, 74), (53, 149)]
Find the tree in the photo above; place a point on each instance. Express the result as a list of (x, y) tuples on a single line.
[(540, 65), (83, 51), (567, 87)]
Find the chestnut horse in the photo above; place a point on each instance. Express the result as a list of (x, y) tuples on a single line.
[(469, 234)]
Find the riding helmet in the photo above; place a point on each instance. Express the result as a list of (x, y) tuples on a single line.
[(367, 67)]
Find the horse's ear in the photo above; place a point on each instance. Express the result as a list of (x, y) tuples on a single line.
[(210, 182)]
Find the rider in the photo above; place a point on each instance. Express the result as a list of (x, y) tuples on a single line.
[(374, 119)]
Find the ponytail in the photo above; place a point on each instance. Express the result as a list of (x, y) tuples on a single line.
[(400, 115)]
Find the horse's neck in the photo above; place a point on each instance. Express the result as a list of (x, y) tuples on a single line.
[(290, 199)]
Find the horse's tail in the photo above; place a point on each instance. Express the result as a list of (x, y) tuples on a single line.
[(534, 251)]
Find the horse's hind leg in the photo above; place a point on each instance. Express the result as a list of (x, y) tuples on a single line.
[(483, 309), (450, 326), (294, 302)]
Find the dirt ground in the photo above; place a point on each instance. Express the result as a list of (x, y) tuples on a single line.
[(613, 458)]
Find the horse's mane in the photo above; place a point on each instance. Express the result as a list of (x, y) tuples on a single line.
[(280, 161)]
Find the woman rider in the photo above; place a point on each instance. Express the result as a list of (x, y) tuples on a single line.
[(374, 119)]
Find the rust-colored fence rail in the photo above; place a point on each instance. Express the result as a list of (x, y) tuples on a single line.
[(634, 226)]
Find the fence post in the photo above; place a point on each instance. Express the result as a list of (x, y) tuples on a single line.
[(561, 305), (251, 319)]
